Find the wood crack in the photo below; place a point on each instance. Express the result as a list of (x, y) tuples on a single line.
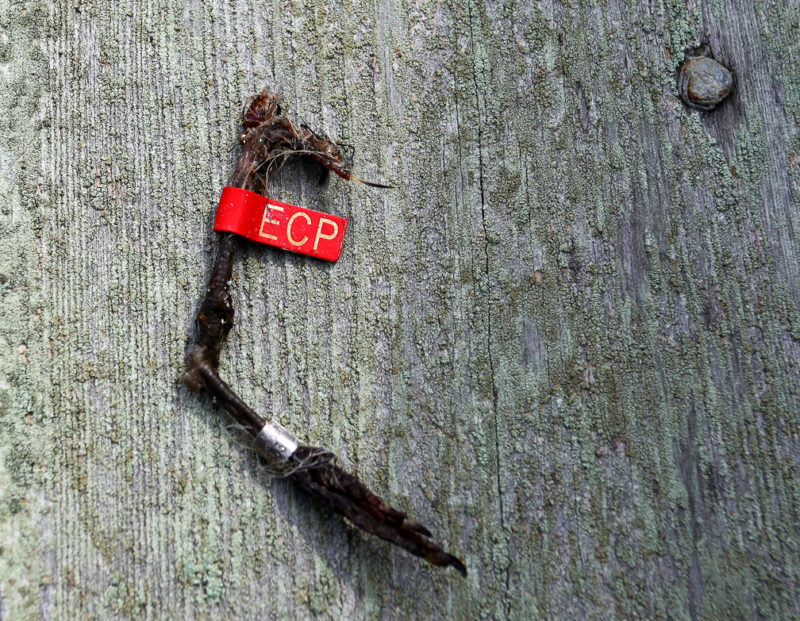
[(487, 270)]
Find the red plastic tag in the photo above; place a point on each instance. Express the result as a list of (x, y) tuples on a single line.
[(290, 227)]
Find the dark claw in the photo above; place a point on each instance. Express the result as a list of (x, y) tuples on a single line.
[(372, 184), (347, 496)]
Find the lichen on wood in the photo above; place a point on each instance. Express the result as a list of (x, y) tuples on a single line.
[(568, 338)]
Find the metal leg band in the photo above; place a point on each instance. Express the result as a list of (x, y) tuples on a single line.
[(274, 442)]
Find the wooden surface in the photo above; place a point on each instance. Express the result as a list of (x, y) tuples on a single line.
[(567, 341)]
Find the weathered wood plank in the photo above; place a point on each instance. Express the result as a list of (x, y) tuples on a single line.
[(567, 341)]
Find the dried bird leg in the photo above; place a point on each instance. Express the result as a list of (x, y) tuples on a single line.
[(269, 139)]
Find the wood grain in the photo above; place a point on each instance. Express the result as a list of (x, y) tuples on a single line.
[(567, 341)]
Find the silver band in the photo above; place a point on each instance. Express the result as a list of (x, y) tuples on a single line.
[(274, 442)]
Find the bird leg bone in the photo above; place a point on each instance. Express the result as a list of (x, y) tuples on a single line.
[(268, 141)]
